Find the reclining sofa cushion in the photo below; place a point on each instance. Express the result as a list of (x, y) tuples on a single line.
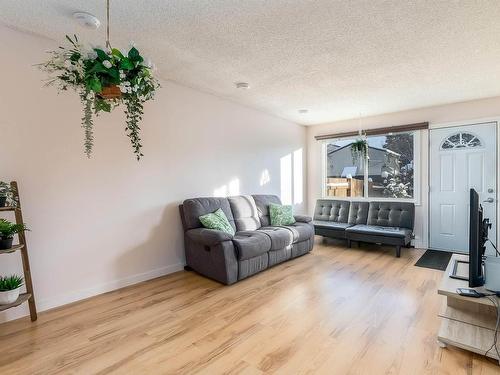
[(331, 210), (391, 214), (196, 207), (280, 237), (262, 202), (245, 212), (250, 244), (301, 231)]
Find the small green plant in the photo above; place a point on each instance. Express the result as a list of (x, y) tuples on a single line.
[(8, 229), (10, 282)]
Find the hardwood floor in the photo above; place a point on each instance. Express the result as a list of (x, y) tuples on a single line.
[(334, 311)]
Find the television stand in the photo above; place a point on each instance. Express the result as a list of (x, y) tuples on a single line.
[(467, 323), (457, 271)]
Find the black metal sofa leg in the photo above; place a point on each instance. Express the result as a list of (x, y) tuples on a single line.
[(188, 268), (398, 251), (349, 243)]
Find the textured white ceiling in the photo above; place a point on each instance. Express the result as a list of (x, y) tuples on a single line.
[(339, 59)]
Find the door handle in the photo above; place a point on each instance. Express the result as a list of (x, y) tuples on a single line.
[(489, 200)]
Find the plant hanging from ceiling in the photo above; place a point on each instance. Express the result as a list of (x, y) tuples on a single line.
[(359, 148), (104, 78)]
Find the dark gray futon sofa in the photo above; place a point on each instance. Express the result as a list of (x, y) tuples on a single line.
[(384, 222), (256, 245)]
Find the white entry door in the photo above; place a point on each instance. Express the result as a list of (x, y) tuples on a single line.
[(461, 158)]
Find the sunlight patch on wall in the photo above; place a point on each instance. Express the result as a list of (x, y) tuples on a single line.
[(292, 179), (298, 180), (265, 178), (229, 189), (221, 191), (234, 187), (286, 179)]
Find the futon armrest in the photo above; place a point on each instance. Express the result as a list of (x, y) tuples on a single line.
[(208, 237), (302, 218)]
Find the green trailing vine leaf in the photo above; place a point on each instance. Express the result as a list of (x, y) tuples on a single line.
[(91, 72)]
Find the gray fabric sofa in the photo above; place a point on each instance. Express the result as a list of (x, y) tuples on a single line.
[(386, 222), (256, 244)]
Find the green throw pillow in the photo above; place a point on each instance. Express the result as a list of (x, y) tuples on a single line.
[(217, 220), (281, 215)]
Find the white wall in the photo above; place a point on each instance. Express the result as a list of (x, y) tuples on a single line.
[(436, 116), (110, 221)]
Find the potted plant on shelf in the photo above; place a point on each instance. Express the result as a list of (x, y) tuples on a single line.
[(7, 232), (6, 193), (10, 287)]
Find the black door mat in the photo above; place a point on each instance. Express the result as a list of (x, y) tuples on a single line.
[(437, 260)]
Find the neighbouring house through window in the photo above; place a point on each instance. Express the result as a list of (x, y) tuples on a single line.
[(387, 172)]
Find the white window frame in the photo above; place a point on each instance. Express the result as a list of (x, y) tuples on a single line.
[(417, 173)]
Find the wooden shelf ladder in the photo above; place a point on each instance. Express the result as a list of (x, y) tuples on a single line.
[(23, 248)]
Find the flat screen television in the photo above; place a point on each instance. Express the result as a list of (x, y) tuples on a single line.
[(478, 235), (476, 241)]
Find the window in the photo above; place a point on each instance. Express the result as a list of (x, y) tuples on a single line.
[(460, 140), (387, 172)]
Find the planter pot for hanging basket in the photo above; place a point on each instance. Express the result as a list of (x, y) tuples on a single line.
[(6, 243), (110, 92), (9, 296), (3, 200)]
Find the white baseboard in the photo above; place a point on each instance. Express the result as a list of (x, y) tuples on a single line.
[(64, 299)]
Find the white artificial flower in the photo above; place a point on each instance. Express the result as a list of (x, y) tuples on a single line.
[(147, 63), (107, 64), (92, 55), (122, 75)]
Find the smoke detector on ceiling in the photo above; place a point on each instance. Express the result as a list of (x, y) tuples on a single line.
[(87, 20), (303, 111), (242, 85)]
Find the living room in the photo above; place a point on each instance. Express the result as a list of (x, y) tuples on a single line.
[(289, 196)]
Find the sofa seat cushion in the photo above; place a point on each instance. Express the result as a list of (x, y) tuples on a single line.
[(299, 231), (331, 225), (376, 230), (250, 244), (280, 237)]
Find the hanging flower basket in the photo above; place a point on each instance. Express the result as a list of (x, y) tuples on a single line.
[(110, 92), (359, 150), (104, 79)]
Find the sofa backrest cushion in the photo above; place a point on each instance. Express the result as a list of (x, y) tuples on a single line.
[(391, 214), (246, 216), (262, 202), (331, 210), (195, 207), (358, 213)]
